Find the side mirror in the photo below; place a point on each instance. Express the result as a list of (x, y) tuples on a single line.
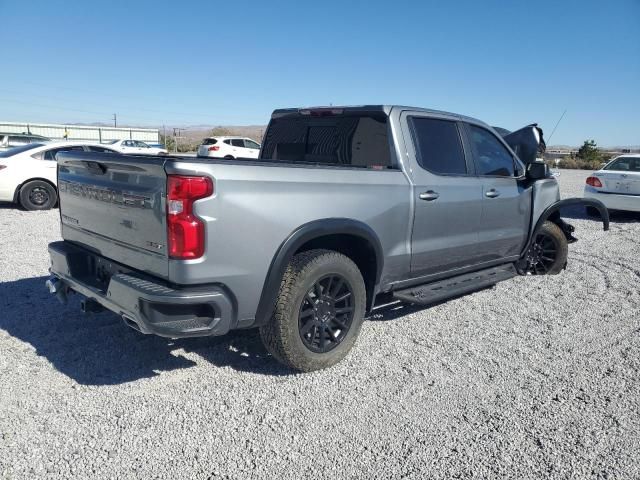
[(537, 171)]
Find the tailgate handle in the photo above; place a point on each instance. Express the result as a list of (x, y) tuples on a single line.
[(96, 167)]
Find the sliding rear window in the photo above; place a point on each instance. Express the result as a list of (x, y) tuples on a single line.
[(341, 140)]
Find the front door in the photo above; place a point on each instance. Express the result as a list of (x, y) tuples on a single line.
[(448, 197), (506, 204)]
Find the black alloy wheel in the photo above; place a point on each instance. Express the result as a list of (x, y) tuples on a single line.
[(326, 313), (548, 252)]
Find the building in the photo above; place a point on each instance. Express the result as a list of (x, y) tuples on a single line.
[(82, 132)]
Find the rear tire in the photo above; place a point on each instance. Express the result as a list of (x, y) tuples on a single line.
[(229, 157), (548, 252), (37, 195), (319, 311)]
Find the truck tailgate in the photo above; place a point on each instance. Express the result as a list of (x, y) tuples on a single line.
[(115, 205)]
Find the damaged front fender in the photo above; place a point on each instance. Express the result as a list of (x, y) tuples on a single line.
[(552, 213)]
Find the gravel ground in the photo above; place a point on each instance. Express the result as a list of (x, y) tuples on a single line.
[(537, 377)]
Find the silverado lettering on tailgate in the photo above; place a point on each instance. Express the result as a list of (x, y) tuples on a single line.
[(104, 194)]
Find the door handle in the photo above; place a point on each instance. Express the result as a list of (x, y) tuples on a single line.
[(493, 193), (429, 195)]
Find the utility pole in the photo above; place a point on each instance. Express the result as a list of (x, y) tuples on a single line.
[(115, 120), (176, 136)]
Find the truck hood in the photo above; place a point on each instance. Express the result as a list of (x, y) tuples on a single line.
[(527, 142)]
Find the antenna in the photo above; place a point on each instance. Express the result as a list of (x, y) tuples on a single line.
[(548, 142)]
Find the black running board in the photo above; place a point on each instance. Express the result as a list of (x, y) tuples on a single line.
[(452, 287)]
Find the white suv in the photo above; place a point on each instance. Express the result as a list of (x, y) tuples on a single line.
[(229, 147)]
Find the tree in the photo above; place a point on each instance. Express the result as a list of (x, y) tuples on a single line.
[(589, 152)]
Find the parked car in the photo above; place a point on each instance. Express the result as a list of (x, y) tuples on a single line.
[(136, 147), (345, 205), (616, 185), (10, 140), (229, 148), (28, 172)]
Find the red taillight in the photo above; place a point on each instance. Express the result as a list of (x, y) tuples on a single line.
[(215, 148), (185, 230), (594, 182)]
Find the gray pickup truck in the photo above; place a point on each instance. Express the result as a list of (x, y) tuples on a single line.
[(344, 206)]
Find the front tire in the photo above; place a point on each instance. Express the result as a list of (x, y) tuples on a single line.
[(319, 311), (37, 195), (548, 252)]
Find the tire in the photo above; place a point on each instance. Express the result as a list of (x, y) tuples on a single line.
[(548, 252), (37, 195), (229, 157), (308, 330)]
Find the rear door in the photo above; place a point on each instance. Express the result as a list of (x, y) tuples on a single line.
[(448, 197), (237, 147), (621, 176), (506, 204), (115, 205)]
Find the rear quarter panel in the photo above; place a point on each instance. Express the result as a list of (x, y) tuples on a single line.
[(255, 208)]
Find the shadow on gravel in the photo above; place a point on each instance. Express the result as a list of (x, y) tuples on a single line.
[(99, 349)]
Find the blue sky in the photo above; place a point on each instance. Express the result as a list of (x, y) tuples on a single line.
[(233, 62)]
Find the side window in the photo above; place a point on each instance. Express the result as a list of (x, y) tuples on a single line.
[(99, 149), (141, 145), (51, 154), (251, 144), (14, 141), (227, 141), (491, 157), (237, 142), (438, 145)]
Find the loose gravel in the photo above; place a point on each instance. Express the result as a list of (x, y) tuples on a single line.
[(538, 377)]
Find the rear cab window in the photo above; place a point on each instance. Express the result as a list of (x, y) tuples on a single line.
[(438, 145), (349, 139)]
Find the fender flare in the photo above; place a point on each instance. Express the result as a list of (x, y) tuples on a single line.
[(569, 202), (297, 238)]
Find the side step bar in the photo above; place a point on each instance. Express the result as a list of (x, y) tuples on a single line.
[(455, 286)]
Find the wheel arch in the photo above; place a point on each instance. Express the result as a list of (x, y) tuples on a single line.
[(350, 237), (552, 213)]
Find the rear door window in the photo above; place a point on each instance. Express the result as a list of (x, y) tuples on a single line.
[(16, 140), (491, 157), (357, 140), (93, 148), (51, 154), (438, 145), (251, 144), (237, 142), (626, 164)]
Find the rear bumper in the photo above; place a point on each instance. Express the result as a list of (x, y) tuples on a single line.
[(145, 303), (614, 201)]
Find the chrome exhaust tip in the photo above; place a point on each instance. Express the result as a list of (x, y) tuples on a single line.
[(58, 288)]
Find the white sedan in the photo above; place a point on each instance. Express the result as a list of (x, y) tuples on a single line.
[(229, 148), (136, 147), (617, 184), (28, 173)]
